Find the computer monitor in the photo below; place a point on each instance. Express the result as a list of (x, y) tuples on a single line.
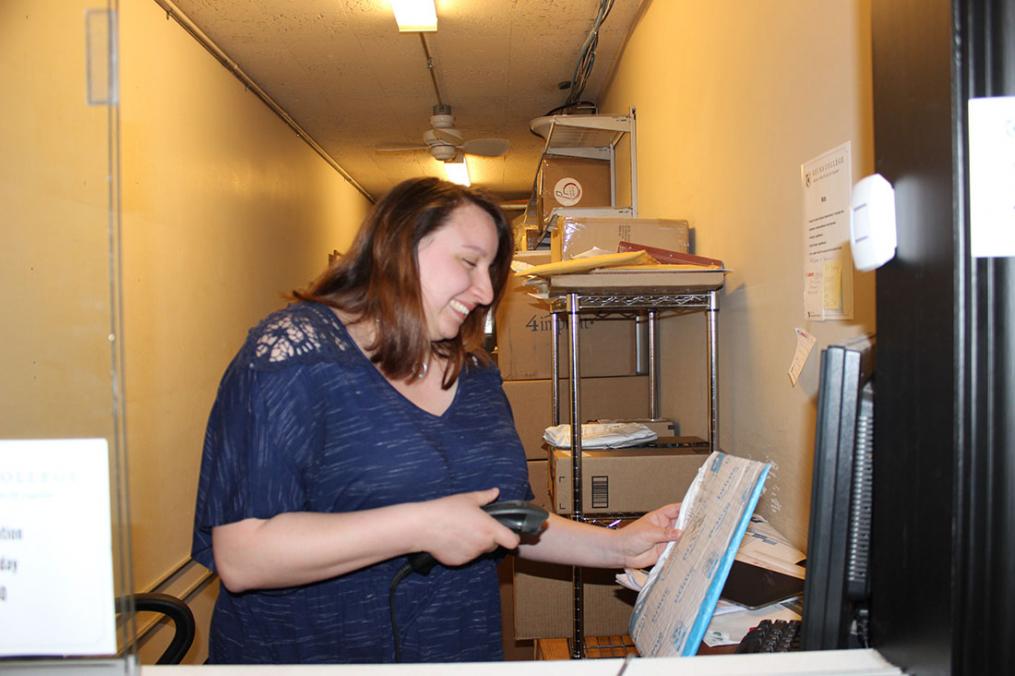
[(837, 587)]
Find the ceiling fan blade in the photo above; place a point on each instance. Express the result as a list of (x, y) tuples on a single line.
[(486, 147), (398, 147)]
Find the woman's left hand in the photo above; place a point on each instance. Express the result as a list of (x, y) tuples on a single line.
[(644, 540)]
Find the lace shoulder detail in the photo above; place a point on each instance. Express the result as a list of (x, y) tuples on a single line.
[(301, 331)]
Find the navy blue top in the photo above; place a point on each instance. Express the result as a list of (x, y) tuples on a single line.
[(304, 422)]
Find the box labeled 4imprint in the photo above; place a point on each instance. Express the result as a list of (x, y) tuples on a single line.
[(524, 329)]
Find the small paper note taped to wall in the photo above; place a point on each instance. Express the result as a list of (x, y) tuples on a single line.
[(804, 345)]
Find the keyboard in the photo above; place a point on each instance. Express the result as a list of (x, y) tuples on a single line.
[(772, 636)]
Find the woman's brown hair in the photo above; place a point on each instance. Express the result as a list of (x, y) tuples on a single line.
[(377, 280)]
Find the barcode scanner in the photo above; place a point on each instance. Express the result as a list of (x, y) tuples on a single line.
[(521, 517)]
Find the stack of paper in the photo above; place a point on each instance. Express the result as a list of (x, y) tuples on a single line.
[(601, 435), (765, 547), (629, 270)]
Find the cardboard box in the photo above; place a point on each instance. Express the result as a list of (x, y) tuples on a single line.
[(539, 480), (523, 328), (525, 351), (514, 649), (544, 601), (626, 397), (572, 182), (542, 593), (625, 480), (574, 235)]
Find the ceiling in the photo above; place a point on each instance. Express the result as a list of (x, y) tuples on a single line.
[(345, 75)]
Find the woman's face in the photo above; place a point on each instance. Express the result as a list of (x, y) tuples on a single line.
[(454, 269)]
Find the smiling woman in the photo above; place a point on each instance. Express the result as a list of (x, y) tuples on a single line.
[(365, 423), (360, 424)]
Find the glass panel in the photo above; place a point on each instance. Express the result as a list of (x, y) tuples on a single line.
[(59, 257)]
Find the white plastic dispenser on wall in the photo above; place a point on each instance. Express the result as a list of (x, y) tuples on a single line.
[(872, 222)]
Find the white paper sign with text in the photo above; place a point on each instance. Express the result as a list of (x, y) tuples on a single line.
[(56, 557), (827, 182)]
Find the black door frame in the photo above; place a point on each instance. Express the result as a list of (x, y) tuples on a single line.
[(943, 555)]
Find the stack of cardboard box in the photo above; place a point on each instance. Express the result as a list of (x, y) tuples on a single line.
[(611, 388)]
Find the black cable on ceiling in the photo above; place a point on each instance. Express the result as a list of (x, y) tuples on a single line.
[(564, 108), (587, 56)]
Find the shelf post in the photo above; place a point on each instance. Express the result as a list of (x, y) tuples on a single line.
[(632, 140), (653, 366), (712, 331), (554, 367), (574, 325)]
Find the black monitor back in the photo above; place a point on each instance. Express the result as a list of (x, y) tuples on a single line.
[(837, 586)]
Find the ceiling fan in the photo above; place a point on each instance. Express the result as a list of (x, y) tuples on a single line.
[(445, 143)]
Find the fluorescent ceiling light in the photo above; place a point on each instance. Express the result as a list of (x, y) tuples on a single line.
[(415, 16), (458, 172)]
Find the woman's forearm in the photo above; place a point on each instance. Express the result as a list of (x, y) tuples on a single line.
[(580, 544), (302, 547), (574, 543)]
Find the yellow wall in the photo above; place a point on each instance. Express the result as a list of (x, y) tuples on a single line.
[(224, 209), (732, 97)]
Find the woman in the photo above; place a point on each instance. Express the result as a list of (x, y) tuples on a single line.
[(364, 423)]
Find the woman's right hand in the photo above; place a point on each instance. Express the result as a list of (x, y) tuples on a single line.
[(455, 529)]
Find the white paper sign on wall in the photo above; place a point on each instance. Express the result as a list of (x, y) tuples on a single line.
[(992, 176), (56, 557)]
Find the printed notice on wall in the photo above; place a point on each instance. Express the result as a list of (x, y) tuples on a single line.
[(56, 559), (828, 266)]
